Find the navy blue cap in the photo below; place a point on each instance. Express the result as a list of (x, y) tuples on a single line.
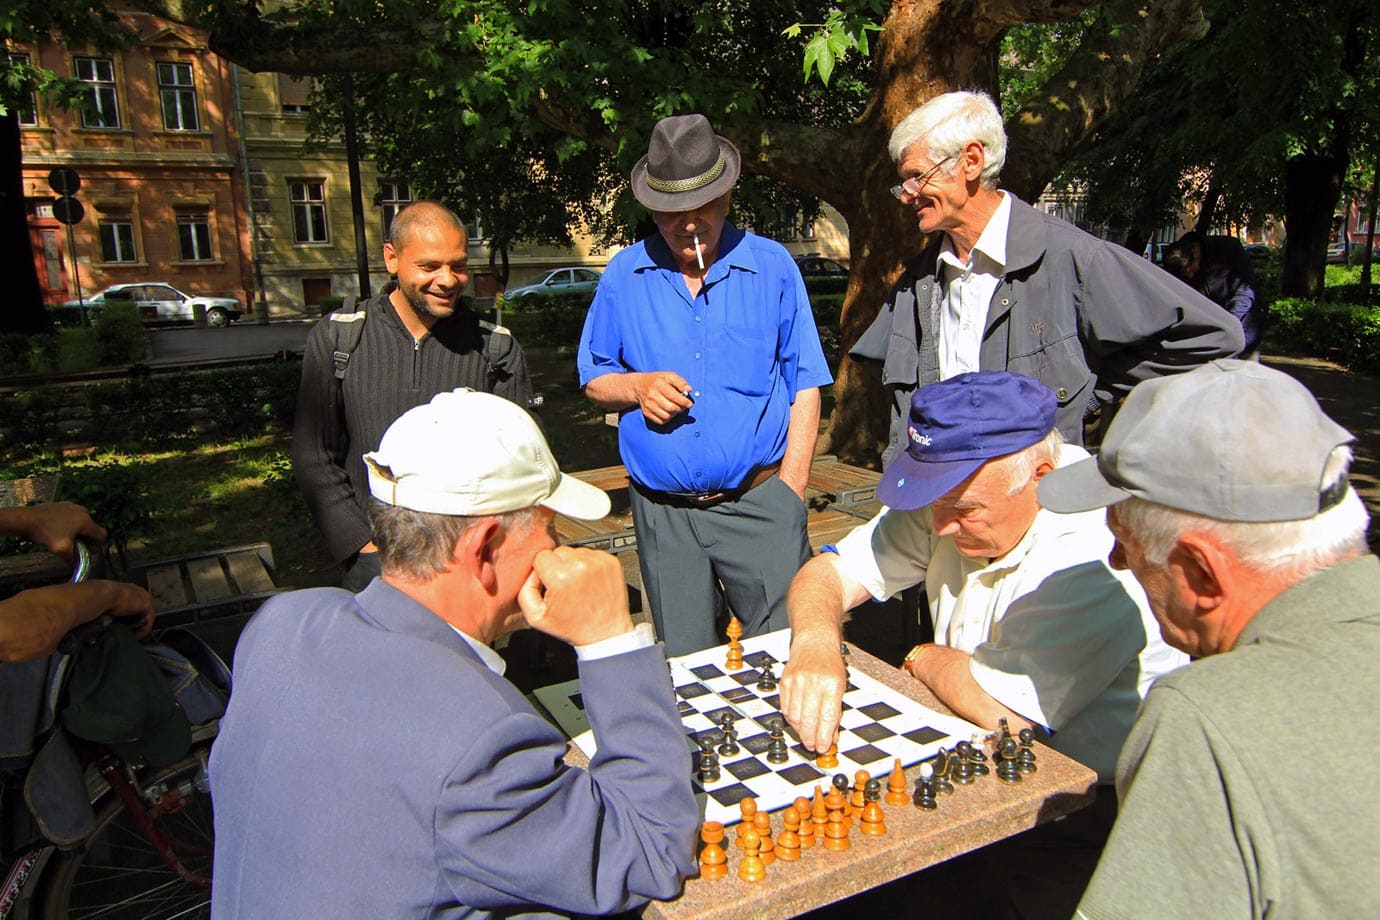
[(959, 424)]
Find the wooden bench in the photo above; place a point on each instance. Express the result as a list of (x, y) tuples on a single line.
[(201, 586)]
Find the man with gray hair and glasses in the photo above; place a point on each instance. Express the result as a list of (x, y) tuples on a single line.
[(1248, 784), (1002, 286)]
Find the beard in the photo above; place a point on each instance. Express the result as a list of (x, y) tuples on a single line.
[(423, 306)]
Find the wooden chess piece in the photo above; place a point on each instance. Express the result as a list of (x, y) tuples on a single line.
[(836, 831), (750, 867), (872, 822), (766, 848), (896, 785), (713, 858), (819, 814), (858, 799), (788, 843), (748, 808), (734, 662), (829, 759), (806, 829)]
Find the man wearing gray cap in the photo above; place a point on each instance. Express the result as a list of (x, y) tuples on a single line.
[(375, 763), (1031, 624), (701, 336), (1248, 784)]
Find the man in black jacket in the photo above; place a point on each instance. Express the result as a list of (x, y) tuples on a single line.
[(420, 339)]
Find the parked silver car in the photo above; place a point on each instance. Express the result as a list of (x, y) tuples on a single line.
[(572, 280), (158, 302)]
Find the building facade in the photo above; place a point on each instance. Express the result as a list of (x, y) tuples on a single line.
[(161, 186)]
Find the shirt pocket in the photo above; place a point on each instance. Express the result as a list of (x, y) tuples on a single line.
[(902, 365), (747, 361), (1059, 365)]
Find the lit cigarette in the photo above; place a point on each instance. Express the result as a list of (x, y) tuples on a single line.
[(699, 257)]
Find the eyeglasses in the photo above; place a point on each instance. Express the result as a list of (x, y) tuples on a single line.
[(915, 184)]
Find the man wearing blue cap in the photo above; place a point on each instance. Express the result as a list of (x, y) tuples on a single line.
[(1032, 625), (1226, 489)]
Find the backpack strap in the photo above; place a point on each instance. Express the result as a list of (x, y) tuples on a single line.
[(348, 326), (493, 346)]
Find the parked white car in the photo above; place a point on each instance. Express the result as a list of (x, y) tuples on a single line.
[(163, 303)]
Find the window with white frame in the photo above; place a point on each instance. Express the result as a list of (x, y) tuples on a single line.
[(194, 238), (308, 199), (27, 111), (177, 92), (99, 74), (393, 197), (117, 241)]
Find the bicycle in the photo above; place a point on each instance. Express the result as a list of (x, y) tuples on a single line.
[(147, 856)]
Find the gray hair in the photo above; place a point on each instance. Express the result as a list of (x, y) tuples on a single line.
[(419, 544), (1290, 549), (1020, 466), (948, 123)]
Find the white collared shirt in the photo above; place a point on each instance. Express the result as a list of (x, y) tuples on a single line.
[(968, 290), (1054, 634)]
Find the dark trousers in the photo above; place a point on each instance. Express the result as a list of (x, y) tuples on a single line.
[(744, 552)]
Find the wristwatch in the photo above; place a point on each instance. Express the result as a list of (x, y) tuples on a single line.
[(912, 655)]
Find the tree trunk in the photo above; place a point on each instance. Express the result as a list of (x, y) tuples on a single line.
[(1312, 188), (22, 308)]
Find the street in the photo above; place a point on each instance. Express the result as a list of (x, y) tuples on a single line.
[(238, 340)]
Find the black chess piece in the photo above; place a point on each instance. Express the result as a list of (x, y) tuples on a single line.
[(1025, 757), (872, 791), (978, 758), (709, 768), (842, 783), (1007, 769), (766, 681), (925, 789), (776, 749), (730, 743), (961, 768)]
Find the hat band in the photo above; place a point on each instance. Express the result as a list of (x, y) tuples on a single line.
[(672, 186)]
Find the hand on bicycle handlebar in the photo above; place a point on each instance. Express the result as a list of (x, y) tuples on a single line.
[(56, 526), (34, 621)]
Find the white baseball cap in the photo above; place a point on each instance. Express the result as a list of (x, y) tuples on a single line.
[(469, 453)]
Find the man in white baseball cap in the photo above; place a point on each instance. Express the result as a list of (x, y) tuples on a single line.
[(373, 736), (1226, 490)]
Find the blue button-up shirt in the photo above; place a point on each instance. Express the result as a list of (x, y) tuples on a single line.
[(746, 344)]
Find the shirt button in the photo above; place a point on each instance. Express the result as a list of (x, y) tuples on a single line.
[(1062, 393), (697, 434), (696, 394), (697, 354), (698, 318)]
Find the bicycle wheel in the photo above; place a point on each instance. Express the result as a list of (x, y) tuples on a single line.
[(120, 875)]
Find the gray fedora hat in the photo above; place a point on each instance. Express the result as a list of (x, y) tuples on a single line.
[(687, 165)]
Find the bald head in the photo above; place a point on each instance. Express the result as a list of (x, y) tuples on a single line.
[(418, 216)]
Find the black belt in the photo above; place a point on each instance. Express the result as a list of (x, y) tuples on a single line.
[(708, 499)]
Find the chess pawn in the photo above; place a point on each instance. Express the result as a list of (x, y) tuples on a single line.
[(788, 843), (896, 785), (766, 849), (750, 867), (924, 788), (748, 808), (806, 828), (871, 823), (713, 858), (819, 814), (1025, 757), (836, 831), (1008, 771), (829, 759), (858, 799)]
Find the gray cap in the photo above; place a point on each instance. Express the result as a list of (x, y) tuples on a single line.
[(1231, 440)]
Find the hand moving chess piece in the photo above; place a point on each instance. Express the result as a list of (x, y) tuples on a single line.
[(713, 859), (829, 759), (734, 662)]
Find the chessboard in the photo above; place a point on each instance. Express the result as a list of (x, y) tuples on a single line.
[(878, 726)]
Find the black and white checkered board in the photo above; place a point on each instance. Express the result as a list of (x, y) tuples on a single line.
[(878, 724)]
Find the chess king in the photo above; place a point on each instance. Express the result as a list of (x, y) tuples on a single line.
[(375, 763), (1226, 489), (1031, 625)]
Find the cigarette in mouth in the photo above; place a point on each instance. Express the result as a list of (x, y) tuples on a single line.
[(699, 257)]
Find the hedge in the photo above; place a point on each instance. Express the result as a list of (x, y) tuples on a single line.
[(1348, 334)]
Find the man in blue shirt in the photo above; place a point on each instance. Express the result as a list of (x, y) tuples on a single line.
[(702, 337)]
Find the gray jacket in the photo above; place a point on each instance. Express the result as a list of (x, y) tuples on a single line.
[(1088, 318)]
